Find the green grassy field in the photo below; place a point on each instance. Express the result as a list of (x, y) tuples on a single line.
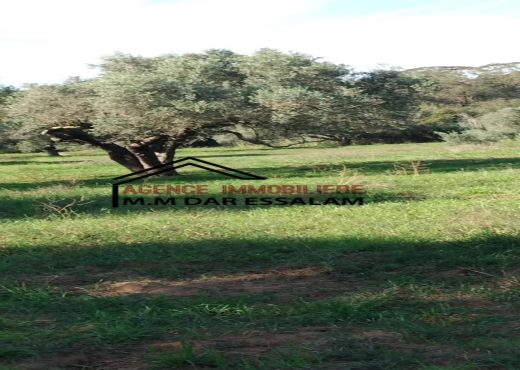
[(425, 275)]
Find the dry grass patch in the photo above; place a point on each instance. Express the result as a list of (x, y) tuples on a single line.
[(310, 282)]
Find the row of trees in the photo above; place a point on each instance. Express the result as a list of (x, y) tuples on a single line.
[(482, 102), (141, 110)]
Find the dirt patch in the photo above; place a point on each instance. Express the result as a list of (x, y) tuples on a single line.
[(77, 283), (253, 344), (433, 354), (377, 335), (92, 358), (249, 345), (507, 284), (288, 283), (450, 273), (511, 327), (311, 282), (512, 271), (258, 340), (463, 271)]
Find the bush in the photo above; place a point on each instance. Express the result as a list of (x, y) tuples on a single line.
[(32, 145), (505, 121), (495, 126), (475, 136)]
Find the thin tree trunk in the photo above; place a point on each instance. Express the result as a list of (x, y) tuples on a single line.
[(344, 141), (51, 151)]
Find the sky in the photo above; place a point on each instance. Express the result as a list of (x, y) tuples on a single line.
[(48, 41)]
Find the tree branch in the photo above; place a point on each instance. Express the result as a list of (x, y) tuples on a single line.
[(117, 153), (257, 141)]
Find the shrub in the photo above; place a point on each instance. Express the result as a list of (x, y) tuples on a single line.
[(474, 136)]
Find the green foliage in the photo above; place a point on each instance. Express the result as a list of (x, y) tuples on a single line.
[(398, 92), (270, 98), (494, 126), (472, 108), (5, 92), (41, 106), (141, 97), (29, 111), (264, 98), (430, 114), (32, 145), (505, 121), (474, 136)]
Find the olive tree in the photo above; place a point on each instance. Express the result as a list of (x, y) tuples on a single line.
[(141, 110)]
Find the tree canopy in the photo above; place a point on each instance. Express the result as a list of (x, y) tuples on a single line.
[(140, 110)]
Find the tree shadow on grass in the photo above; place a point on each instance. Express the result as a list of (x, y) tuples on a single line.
[(65, 207), (437, 165), (65, 161), (392, 167), (189, 259), (186, 177), (35, 186), (217, 155), (306, 171), (56, 285), (31, 206)]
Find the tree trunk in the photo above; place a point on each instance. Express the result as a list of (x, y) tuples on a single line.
[(344, 141), (123, 156), (137, 157), (51, 151), (149, 159), (158, 147), (166, 151)]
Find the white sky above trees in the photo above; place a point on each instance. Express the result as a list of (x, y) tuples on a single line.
[(47, 41)]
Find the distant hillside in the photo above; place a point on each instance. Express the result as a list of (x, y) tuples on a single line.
[(494, 67)]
